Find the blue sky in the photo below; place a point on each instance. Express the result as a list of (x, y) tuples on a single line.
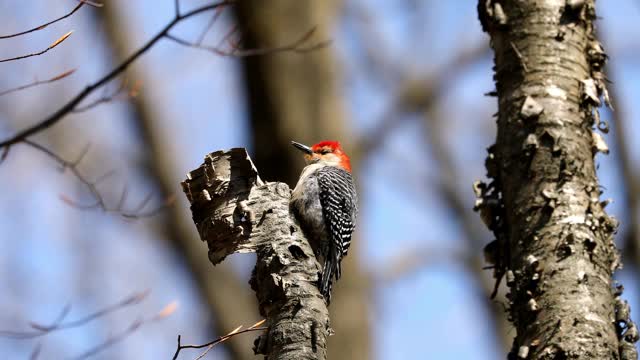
[(52, 254)]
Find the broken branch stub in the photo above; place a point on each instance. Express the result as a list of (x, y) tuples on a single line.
[(236, 212), (219, 192)]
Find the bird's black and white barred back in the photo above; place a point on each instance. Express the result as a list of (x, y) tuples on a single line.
[(338, 199), (325, 203)]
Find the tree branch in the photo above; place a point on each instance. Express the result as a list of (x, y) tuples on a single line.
[(133, 327), (59, 324), (416, 94), (236, 51), (68, 107), (235, 211), (176, 7), (92, 186), (219, 340), (53, 45), (38, 82), (225, 309), (40, 27)]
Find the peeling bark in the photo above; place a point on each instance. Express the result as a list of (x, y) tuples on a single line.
[(554, 240), (235, 211)]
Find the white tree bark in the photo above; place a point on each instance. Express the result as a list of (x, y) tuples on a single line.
[(235, 211)]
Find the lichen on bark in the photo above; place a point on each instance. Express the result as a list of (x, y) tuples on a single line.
[(235, 211), (554, 240)]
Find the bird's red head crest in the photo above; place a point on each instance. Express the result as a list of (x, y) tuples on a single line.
[(327, 145), (329, 151)]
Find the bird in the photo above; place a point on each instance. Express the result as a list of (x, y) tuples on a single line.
[(325, 203)]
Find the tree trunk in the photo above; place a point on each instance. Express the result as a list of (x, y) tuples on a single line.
[(296, 96), (235, 211), (555, 241)]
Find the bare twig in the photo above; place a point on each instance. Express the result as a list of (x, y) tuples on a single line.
[(121, 91), (214, 18), (164, 33), (135, 325), (71, 165), (54, 44), (236, 51), (418, 94), (57, 325), (68, 107), (235, 305), (36, 352), (92, 187), (40, 27), (409, 262), (227, 37), (92, 3), (138, 213), (421, 95), (176, 5), (5, 153), (221, 339), (38, 82)]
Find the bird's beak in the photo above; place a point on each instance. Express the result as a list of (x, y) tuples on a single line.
[(304, 148)]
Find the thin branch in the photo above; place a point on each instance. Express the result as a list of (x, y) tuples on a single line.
[(36, 352), (54, 44), (421, 95), (68, 107), (233, 306), (176, 4), (219, 340), (235, 50), (92, 3), (109, 97), (38, 82), (227, 37), (214, 18), (5, 153), (92, 187), (418, 94), (409, 262), (138, 213), (135, 325), (72, 166), (40, 27), (41, 330)]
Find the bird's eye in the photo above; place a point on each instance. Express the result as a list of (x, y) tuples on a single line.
[(324, 151)]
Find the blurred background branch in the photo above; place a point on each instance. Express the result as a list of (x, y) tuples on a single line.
[(293, 96), (116, 71), (38, 82), (229, 299)]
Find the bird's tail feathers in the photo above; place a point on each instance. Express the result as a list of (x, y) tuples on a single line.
[(326, 280)]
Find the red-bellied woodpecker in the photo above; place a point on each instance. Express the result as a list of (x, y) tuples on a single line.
[(325, 203)]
